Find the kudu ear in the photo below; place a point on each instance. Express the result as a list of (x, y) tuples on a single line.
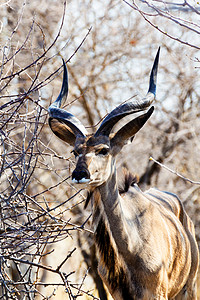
[(63, 124), (62, 131), (128, 131)]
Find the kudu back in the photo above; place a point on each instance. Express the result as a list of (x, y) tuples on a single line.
[(145, 240)]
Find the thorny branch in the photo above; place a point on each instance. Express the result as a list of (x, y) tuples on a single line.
[(30, 223)]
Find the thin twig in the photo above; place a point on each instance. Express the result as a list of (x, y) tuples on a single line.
[(174, 172)]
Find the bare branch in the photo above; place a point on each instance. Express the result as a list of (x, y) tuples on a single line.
[(174, 172)]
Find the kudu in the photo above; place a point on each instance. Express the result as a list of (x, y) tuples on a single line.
[(146, 240)]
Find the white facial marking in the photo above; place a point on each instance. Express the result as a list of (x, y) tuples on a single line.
[(83, 180), (74, 181), (90, 154)]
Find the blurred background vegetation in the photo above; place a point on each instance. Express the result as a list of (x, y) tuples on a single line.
[(47, 249)]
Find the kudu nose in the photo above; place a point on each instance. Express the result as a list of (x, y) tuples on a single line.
[(80, 175)]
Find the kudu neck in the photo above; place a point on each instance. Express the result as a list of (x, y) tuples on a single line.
[(109, 208), (109, 190)]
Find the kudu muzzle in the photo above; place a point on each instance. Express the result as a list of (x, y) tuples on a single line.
[(81, 173)]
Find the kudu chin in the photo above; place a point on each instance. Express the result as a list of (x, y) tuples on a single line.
[(145, 240)]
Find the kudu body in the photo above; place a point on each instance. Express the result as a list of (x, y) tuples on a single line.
[(146, 241)]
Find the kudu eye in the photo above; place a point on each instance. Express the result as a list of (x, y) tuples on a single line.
[(103, 151)]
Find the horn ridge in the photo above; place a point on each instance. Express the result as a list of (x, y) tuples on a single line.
[(56, 112), (131, 107), (118, 113)]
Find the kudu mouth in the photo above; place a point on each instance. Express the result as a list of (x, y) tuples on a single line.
[(80, 177)]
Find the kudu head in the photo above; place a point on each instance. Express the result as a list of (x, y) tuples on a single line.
[(95, 152)]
